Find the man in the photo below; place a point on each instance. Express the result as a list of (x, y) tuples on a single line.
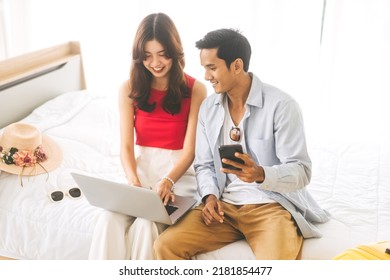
[(266, 201)]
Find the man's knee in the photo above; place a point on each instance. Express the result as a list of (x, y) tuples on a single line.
[(162, 246), (157, 246)]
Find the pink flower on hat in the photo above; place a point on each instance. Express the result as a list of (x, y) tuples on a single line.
[(40, 154), (24, 158)]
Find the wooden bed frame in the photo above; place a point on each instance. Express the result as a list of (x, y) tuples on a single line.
[(29, 80)]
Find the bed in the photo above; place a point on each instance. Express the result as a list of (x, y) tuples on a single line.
[(47, 88)]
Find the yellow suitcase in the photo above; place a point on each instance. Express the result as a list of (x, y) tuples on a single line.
[(375, 251)]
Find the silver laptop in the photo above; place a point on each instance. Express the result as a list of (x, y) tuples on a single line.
[(132, 201)]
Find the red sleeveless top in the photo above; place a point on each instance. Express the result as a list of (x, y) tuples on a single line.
[(160, 129)]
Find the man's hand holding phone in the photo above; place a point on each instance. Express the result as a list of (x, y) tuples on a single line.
[(234, 161)]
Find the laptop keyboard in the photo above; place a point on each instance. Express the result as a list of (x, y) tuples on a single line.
[(170, 209)]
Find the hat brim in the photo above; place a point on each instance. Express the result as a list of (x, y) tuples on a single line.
[(54, 158)]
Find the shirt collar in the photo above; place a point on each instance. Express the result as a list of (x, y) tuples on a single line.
[(255, 97)]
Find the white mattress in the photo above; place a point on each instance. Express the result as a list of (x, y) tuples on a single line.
[(350, 181)]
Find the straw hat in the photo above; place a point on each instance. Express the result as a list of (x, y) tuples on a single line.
[(24, 150)]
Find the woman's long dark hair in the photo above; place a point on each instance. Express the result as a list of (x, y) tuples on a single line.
[(161, 28)]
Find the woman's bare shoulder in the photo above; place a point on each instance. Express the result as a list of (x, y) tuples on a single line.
[(199, 90), (125, 86), (124, 91)]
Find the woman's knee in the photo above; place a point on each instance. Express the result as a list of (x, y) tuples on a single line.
[(109, 219), (143, 223)]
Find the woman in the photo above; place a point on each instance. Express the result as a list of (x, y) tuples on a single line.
[(160, 103)]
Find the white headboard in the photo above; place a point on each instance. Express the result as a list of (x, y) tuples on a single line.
[(29, 80)]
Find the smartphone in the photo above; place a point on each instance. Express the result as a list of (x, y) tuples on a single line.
[(227, 151)]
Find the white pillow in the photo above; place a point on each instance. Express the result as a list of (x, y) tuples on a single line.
[(59, 109)]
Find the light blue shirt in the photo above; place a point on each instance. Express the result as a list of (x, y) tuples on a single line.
[(275, 139)]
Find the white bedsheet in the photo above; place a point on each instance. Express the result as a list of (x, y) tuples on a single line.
[(33, 227), (350, 181)]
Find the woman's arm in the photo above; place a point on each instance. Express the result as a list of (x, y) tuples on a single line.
[(126, 117)]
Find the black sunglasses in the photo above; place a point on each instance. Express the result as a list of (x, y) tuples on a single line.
[(56, 196), (235, 133)]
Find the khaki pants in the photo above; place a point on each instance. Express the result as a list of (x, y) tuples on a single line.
[(268, 228)]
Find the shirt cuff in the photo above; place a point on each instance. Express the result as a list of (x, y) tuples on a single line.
[(270, 175)]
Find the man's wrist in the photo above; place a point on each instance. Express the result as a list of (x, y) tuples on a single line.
[(261, 176), (206, 197)]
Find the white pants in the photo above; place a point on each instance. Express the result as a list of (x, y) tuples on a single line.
[(117, 236)]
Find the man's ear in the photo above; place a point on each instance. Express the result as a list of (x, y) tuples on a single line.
[(238, 65)]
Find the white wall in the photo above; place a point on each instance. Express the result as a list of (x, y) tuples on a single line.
[(282, 34), (341, 84)]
